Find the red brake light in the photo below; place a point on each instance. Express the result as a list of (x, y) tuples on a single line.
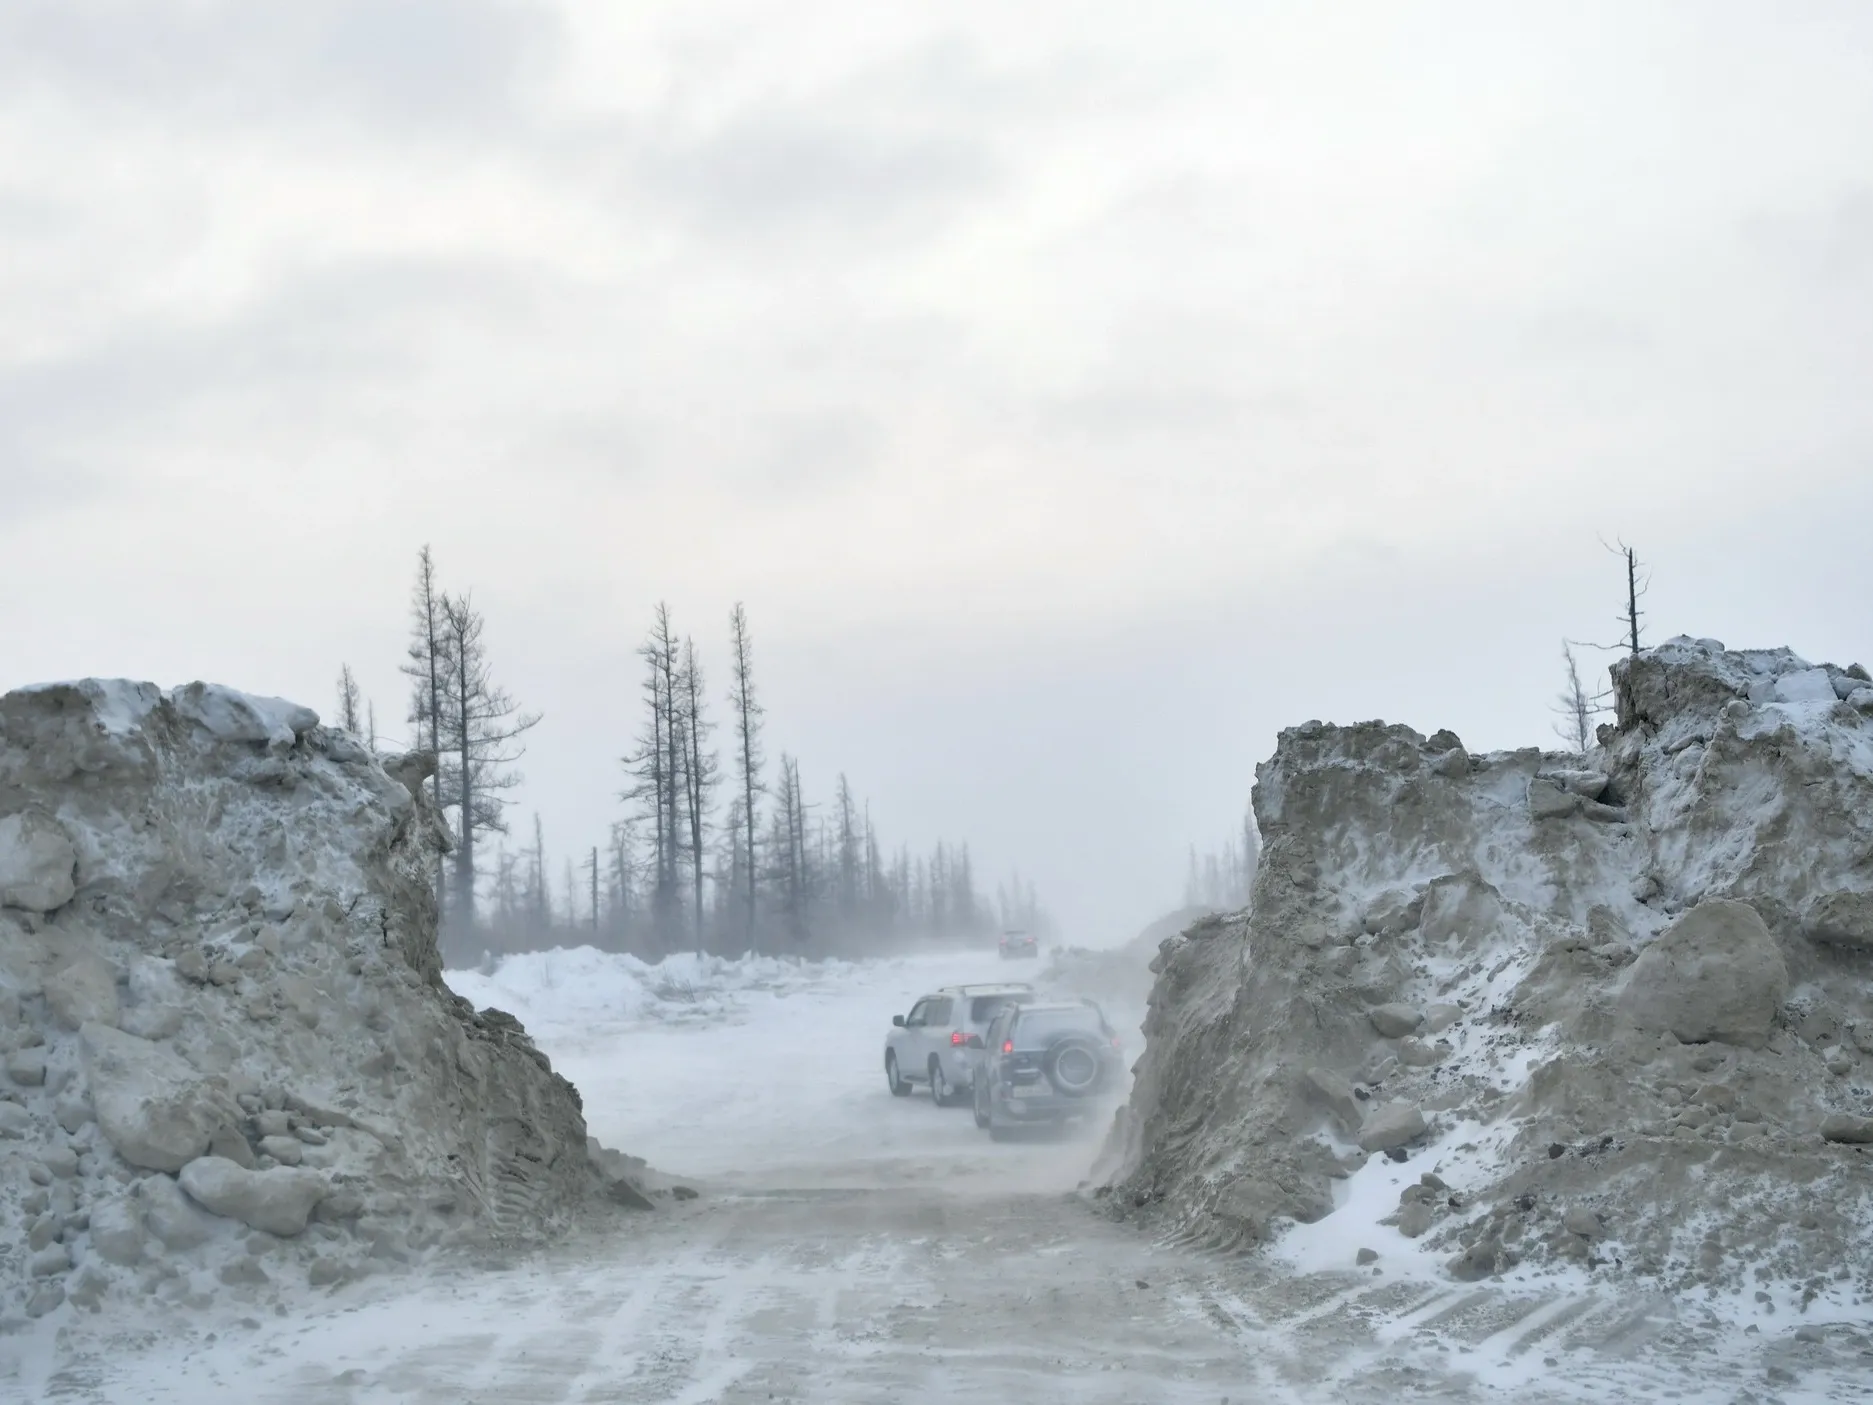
[(1115, 1042), (1008, 1046), (956, 1038)]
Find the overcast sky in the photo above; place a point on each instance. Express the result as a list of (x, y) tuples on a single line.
[(1076, 393)]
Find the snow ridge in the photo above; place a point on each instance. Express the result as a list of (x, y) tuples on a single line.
[(1533, 1014)]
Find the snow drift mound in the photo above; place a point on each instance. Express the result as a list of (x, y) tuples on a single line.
[(577, 996), (1618, 1008), (228, 1055)]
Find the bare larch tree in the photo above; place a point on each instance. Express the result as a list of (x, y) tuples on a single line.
[(748, 757), (1575, 705), (480, 740), (426, 667), (349, 698), (700, 770), (658, 771)]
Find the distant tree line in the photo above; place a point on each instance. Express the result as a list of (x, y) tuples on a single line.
[(708, 857), (1223, 878)]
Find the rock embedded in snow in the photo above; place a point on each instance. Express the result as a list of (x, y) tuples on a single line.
[(1841, 919), (27, 1067), (1438, 1018), (37, 862), (1583, 1221), (1335, 1094), (230, 1145), (1588, 785), (158, 1112), (1845, 1128), (288, 1151), (1395, 1020), (1460, 909), (61, 1161), (171, 1220), (1716, 974), (279, 1201), (117, 1231), (1393, 1126), (83, 991), (1549, 800)]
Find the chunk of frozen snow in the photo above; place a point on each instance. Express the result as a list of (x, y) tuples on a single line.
[(1810, 685), (230, 715)]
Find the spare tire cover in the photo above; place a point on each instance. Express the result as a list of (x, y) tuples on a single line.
[(1072, 1066)]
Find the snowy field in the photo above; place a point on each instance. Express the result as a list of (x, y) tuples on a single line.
[(849, 1246)]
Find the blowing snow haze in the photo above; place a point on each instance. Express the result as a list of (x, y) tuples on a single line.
[(1075, 394)]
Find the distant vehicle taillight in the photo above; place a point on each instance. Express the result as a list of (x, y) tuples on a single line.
[(1008, 1046), (1115, 1042), (957, 1038)]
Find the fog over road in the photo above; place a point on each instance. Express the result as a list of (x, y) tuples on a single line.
[(849, 1246)]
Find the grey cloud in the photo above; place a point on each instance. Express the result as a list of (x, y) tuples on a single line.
[(404, 60), (301, 349), (1833, 244), (779, 166)]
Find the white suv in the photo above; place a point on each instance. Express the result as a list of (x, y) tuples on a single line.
[(930, 1045)]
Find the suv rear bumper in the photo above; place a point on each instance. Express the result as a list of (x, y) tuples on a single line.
[(1047, 1106)]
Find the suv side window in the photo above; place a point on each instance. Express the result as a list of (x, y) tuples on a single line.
[(919, 1014), (939, 1012)]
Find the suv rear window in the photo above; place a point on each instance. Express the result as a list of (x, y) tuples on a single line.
[(1035, 1026), (985, 1007)]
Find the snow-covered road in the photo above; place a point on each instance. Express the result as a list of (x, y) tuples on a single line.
[(854, 1247)]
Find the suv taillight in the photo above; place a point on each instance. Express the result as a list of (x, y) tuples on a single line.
[(1008, 1046), (957, 1039)]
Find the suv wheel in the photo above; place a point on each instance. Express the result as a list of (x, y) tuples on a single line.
[(899, 1088), (982, 1104), (940, 1092)]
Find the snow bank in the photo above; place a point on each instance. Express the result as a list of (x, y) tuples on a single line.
[(1527, 1014), (229, 1060), (581, 993)]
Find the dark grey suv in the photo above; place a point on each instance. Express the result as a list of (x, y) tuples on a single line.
[(1045, 1062)]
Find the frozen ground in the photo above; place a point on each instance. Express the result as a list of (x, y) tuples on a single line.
[(853, 1247)]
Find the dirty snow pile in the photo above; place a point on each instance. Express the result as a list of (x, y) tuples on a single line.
[(584, 995), (227, 1059), (1616, 1008)]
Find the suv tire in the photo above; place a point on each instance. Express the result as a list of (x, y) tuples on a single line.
[(982, 1104), (899, 1088), (1072, 1065), (941, 1094)]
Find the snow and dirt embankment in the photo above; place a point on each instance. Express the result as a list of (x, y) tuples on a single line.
[(229, 1060), (1529, 1013)]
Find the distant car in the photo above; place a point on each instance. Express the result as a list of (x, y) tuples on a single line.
[(1015, 944), (930, 1046), (1045, 1061)]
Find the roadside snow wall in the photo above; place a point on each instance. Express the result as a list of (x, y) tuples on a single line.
[(1619, 1007), (227, 1058)]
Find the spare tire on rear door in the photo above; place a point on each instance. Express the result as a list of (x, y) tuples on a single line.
[(1072, 1065)]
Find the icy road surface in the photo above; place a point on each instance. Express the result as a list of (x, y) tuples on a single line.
[(854, 1247)]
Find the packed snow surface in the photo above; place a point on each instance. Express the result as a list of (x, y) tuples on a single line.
[(853, 1248)]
